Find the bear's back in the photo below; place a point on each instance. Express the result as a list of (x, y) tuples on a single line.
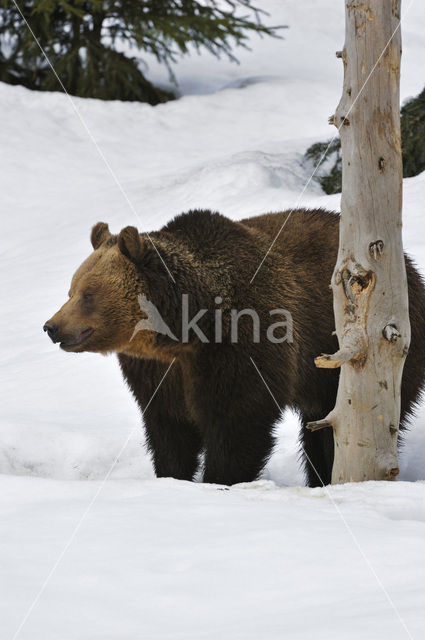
[(304, 236)]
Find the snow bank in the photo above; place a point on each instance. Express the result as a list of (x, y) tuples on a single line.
[(238, 150)]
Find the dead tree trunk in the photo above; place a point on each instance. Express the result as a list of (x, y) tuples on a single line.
[(369, 281)]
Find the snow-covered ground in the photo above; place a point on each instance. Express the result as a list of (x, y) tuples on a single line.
[(162, 559)]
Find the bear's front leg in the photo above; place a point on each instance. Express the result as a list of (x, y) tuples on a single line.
[(173, 439), (175, 446)]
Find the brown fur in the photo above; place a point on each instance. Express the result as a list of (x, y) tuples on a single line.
[(213, 398)]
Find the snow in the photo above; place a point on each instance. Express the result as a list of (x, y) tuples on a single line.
[(176, 560), (163, 559)]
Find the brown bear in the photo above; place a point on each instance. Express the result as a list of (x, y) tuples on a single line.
[(212, 399)]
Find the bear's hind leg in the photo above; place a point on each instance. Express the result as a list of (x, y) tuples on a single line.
[(317, 453)]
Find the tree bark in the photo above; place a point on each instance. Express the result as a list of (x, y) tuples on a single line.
[(369, 281)]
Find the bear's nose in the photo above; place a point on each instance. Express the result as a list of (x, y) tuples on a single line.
[(52, 330)]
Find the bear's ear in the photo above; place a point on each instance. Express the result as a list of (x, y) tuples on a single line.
[(130, 244), (99, 234)]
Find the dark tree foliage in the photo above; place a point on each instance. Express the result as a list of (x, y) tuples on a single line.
[(329, 175), (413, 135), (82, 41), (330, 179)]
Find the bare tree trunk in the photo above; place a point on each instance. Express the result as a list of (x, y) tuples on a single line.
[(369, 281)]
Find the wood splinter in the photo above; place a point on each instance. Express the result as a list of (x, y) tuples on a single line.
[(321, 424), (333, 361), (354, 346)]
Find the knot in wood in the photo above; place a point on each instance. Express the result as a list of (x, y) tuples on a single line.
[(376, 249), (391, 333)]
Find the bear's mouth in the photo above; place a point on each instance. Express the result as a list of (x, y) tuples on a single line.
[(75, 342)]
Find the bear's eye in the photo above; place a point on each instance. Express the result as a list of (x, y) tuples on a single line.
[(87, 297)]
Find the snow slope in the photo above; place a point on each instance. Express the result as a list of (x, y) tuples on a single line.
[(161, 558)]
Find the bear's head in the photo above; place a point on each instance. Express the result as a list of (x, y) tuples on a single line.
[(103, 308)]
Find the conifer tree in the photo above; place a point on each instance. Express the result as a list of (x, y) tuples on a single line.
[(86, 42), (329, 174), (413, 135)]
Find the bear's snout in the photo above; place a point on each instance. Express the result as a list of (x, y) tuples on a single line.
[(69, 338), (52, 331)]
